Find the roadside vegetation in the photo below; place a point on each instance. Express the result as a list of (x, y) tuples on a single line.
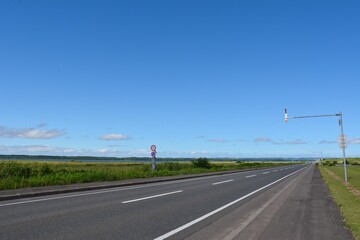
[(20, 174), (337, 161), (345, 194)]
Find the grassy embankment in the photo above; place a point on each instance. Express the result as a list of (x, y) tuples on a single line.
[(19, 174), (346, 195)]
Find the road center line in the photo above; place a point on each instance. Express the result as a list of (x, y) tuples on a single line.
[(265, 172), (223, 182), (179, 229), (251, 176), (154, 196)]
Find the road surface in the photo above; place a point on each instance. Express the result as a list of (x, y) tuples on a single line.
[(232, 206)]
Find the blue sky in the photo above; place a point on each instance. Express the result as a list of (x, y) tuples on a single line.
[(196, 78)]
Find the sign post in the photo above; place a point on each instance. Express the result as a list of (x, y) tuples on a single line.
[(343, 145), (153, 156)]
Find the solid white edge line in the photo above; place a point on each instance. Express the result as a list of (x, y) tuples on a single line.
[(223, 182), (154, 196), (179, 229), (251, 176)]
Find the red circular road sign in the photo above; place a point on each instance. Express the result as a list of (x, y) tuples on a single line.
[(153, 148)]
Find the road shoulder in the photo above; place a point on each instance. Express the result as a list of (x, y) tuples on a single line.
[(297, 208)]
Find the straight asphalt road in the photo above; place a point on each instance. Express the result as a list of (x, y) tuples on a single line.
[(191, 208)]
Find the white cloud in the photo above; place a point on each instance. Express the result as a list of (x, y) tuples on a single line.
[(101, 152), (354, 140), (217, 140), (269, 140), (199, 153), (41, 125), (40, 134), (61, 151), (263, 139), (114, 137), (31, 133), (35, 149), (116, 145), (292, 142), (327, 142)]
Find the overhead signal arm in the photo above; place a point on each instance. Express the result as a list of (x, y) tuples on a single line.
[(342, 136)]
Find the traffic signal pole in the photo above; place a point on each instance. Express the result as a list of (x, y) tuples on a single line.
[(342, 138)]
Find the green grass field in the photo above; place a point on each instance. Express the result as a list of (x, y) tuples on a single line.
[(334, 161), (20, 174), (346, 195)]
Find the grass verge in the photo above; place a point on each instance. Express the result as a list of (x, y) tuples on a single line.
[(20, 174), (346, 195)]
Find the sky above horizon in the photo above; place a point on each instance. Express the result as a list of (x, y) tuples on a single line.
[(196, 78)]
